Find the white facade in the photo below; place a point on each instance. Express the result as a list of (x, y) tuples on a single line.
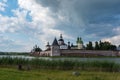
[(80, 46), (63, 47), (55, 51)]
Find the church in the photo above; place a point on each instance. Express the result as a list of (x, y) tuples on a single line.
[(63, 45), (60, 48)]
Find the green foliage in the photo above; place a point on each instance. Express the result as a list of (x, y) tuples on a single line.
[(106, 46), (62, 65), (97, 47), (36, 49), (89, 46), (100, 46)]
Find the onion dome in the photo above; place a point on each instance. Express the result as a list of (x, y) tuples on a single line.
[(48, 45), (69, 47), (79, 40), (61, 38)]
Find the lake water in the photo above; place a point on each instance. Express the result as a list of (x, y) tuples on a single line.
[(116, 60)]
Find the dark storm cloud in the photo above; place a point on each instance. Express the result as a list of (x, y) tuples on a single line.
[(101, 30), (52, 4), (92, 16)]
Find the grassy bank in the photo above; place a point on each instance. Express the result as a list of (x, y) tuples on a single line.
[(14, 74), (61, 65)]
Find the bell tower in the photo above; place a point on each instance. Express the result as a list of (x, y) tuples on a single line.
[(79, 43), (61, 41)]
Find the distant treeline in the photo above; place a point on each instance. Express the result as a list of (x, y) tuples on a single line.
[(61, 64), (14, 53), (100, 46)]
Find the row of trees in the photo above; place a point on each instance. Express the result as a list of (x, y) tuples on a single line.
[(100, 46)]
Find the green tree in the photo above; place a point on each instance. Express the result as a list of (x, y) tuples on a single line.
[(100, 45), (106, 46), (89, 46), (37, 49), (113, 47), (97, 46)]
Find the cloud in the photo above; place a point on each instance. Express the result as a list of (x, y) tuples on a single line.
[(3, 5), (94, 19), (88, 17), (42, 20), (101, 30), (7, 44), (15, 23), (40, 26), (117, 30), (89, 10), (84, 13), (114, 40)]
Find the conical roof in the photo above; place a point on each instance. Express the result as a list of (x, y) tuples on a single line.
[(55, 42)]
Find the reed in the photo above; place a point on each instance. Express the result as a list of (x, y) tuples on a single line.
[(62, 64)]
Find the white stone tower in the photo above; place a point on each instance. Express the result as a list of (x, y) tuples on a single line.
[(55, 48)]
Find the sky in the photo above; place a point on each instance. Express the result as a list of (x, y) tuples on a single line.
[(24, 23)]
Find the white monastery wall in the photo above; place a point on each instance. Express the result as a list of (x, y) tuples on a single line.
[(90, 52)]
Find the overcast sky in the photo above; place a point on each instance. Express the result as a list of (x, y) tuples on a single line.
[(24, 23)]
